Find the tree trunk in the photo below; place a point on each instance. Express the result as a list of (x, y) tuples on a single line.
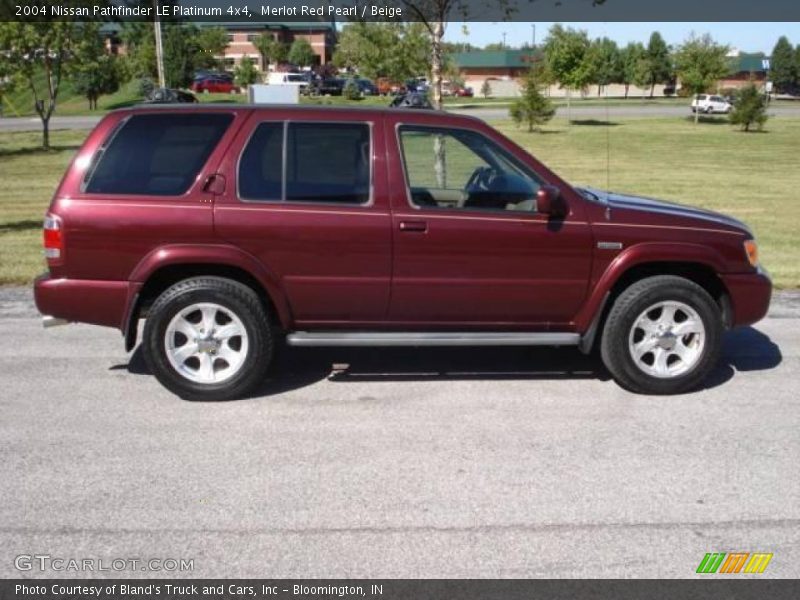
[(440, 164), (599, 88), (652, 88), (437, 33), (46, 132), (569, 106), (627, 85)]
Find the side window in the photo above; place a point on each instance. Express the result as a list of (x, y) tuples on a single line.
[(328, 162), (156, 154), (260, 167), (458, 169)]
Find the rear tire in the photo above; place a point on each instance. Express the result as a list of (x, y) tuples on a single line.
[(663, 335), (208, 338)]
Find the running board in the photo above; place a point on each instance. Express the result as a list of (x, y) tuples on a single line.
[(444, 338)]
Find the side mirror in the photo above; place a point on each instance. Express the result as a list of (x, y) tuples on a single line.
[(550, 202)]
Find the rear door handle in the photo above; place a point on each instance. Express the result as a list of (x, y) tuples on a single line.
[(413, 226)]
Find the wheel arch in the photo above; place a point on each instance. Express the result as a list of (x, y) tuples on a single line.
[(696, 263), (166, 266)]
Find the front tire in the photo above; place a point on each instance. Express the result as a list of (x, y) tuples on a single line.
[(663, 335), (208, 338)]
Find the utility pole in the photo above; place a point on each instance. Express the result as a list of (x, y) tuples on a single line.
[(504, 39), (159, 49), (533, 26)]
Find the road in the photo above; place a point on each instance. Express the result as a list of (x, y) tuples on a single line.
[(408, 463), (487, 114)]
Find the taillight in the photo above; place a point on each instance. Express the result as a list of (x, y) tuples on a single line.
[(53, 239)]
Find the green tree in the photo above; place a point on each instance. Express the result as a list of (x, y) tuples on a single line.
[(211, 43), (532, 107), (486, 89), (40, 55), (182, 54), (603, 63), (659, 63), (783, 69), (565, 52), (393, 50), (301, 53), (701, 63), (749, 108), (246, 72), (98, 73), (632, 57), (264, 44)]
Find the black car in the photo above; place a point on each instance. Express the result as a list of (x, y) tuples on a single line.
[(329, 86), (170, 96), (366, 87), (411, 100)]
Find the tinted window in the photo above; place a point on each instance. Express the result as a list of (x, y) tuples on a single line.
[(451, 168), (260, 168), (328, 162), (156, 154)]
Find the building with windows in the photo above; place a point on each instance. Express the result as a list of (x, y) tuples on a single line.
[(241, 36)]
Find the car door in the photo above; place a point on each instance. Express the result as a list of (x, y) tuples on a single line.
[(302, 196), (469, 247)]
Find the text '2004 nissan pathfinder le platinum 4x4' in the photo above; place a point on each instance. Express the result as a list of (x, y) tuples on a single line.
[(228, 229)]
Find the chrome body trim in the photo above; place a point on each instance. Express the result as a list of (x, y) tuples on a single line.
[(443, 338)]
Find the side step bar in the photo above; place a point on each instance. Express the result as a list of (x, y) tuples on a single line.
[(443, 338)]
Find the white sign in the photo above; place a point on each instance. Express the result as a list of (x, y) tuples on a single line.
[(768, 87), (765, 64), (274, 94)]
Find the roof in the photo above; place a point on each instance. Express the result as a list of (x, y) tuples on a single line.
[(748, 63), (507, 59)]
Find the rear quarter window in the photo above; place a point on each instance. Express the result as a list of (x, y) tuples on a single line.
[(156, 154)]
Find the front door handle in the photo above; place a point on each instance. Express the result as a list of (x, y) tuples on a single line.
[(421, 226)]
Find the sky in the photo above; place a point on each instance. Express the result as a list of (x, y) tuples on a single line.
[(747, 37)]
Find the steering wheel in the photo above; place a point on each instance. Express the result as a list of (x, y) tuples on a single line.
[(480, 178)]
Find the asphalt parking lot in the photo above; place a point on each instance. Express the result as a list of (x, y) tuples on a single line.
[(406, 463)]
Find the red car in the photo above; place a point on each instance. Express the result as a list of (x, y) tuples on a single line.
[(214, 85), (232, 229), (464, 92)]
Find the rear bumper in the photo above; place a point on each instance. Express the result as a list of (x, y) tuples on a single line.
[(82, 300), (750, 295)]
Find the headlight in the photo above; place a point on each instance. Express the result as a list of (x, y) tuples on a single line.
[(751, 249)]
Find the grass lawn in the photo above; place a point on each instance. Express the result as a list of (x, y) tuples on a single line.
[(751, 176)]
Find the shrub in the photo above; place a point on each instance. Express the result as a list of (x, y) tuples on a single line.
[(246, 73), (532, 107), (351, 91), (486, 89), (145, 87), (749, 108)]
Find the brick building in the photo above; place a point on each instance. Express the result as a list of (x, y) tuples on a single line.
[(320, 34)]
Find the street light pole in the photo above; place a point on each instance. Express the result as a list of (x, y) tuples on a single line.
[(159, 48), (533, 26), (504, 39)]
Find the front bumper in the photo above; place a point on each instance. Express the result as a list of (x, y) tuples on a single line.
[(83, 300), (750, 295)]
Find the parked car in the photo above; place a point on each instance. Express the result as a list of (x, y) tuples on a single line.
[(366, 87), (302, 80), (214, 84), (710, 104), (411, 100), (387, 87), (170, 96), (465, 92), (329, 86), (232, 229)]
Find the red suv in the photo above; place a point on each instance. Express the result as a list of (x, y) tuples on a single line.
[(229, 229)]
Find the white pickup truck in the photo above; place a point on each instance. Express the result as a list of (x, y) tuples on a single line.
[(705, 103)]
